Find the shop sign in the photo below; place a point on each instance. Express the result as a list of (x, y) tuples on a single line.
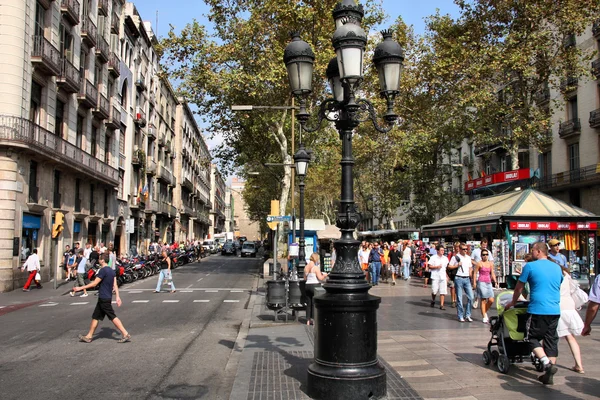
[(553, 226), (497, 178)]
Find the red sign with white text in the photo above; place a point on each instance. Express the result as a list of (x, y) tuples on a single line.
[(553, 226), (499, 177)]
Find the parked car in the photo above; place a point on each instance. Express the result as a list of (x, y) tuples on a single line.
[(210, 246), (248, 249), (227, 249)]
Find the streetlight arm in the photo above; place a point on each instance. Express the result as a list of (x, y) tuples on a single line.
[(366, 112), (329, 110)]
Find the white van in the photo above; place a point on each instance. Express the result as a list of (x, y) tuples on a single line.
[(209, 246)]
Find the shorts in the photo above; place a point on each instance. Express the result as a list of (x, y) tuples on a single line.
[(394, 268), (450, 284), (104, 309), (543, 327), (365, 266), (438, 286), (485, 290), (427, 274), (81, 279)]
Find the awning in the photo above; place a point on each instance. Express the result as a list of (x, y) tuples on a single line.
[(31, 221), (330, 232)]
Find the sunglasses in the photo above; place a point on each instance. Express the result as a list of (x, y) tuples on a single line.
[(463, 248), (484, 255)]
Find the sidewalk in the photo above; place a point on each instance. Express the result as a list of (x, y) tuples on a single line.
[(427, 354), (16, 299)]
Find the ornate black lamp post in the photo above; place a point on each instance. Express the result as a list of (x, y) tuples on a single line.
[(345, 364), (301, 159)]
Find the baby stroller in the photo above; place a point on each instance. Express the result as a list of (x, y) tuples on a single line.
[(508, 332)]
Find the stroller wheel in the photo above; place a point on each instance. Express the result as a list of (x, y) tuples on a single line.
[(487, 357), (495, 356), (503, 364)]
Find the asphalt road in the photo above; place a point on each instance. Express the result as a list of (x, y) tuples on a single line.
[(180, 348)]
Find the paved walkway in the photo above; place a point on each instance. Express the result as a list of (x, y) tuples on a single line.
[(427, 353)]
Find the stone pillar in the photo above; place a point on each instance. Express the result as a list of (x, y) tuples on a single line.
[(10, 225)]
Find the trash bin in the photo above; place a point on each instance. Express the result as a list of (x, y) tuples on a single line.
[(271, 271), (275, 294), (297, 298)]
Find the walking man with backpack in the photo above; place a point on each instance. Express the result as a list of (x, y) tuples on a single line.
[(463, 265)]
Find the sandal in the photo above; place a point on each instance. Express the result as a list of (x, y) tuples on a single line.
[(442, 308), (157, 291), (173, 291), (124, 339), (577, 369), (85, 339)]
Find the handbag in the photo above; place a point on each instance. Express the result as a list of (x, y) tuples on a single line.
[(580, 298), (38, 277)]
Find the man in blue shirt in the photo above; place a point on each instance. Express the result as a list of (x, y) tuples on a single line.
[(107, 281), (544, 278), (375, 261), (555, 255)]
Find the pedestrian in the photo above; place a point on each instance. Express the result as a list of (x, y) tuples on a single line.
[(66, 256), (395, 260), (32, 265), (476, 257), (313, 276), (375, 258), (463, 265), (437, 265), (165, 273), (452, 273), (108, 283), (483, 281), (544, 278), (570, 323), (406, 260), (81, 272), (363, 259), (592, 308), (88, 250), (385, 266)]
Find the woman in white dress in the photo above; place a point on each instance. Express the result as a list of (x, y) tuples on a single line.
[(313, 276), (570, 323)]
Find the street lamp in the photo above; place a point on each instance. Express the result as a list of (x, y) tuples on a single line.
[(345, 364), (301, 159)]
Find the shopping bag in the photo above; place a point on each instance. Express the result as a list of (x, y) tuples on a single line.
[(168, 280), (580, 298), (38, 277)]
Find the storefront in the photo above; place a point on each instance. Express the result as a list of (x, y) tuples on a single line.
[(29, 236), (514, 221)]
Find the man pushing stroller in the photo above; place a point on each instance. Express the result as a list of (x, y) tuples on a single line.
[(544, 278)]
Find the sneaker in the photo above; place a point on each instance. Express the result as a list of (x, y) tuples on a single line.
[(67, 280), (485, 320), (469, 319), (548, 377), (461, 320), (442, 308), (85, 339), (72, 294), (84, 295), (453, 304), (26, 290)]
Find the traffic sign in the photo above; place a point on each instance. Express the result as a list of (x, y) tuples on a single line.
[(278, 218)]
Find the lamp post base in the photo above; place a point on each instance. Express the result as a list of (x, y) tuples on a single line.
[(346, 365)]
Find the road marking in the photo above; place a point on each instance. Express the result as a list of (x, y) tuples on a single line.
[(201, 301), (47, 305), (170, 301), (199, 279), (190, 286), (231, 301), (81, 303), (140, 301), (187, 291), (135, 291), (211, 291), (237, 291)]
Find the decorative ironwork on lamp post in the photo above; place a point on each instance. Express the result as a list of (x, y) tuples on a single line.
[(345, 364), (301, 159)]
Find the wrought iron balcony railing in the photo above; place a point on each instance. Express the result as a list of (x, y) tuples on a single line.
[(70, 10), (114, 65), (88, 94), (69, 79), (569, 128), (89, 32), (45, 57)]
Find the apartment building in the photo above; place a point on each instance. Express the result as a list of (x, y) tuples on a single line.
[(242, 224), (87, 132), (192, 192), (217, 201)]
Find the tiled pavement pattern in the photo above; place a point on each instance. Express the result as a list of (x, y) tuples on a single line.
[(425, 350)]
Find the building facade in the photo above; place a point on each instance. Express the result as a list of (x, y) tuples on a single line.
[(243, 225), (217, 201), (87, 132)]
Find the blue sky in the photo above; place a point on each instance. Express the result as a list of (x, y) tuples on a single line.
[(180, 12)]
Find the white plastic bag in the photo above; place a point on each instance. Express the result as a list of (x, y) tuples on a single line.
[(38, 277), (580, 298)]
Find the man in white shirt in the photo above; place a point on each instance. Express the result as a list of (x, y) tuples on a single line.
[(32, 265), (363, 258), (463, 264), (437, 266), (87, 251)]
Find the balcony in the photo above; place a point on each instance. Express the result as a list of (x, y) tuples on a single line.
[(595, 118), (22, 133), (122, 160), (166, 176), (88, 94), (161, 141), (70, 10), (542, 96), (569, 84), (114, 65), (102, 49), (569, 128), (45, 57), (582, 177), (151, 131), (166, 208), (102, 110), (103, 7), (152, 207), (115, 23), (187, 183), (135, 158), (596, 68), (187, 210), (140, 84), (89, 32), (114, 119), (140, 119), (68, 79), (151, 167)]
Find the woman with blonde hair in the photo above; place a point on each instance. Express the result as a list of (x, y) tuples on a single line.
[(312, 274), (570, 323)]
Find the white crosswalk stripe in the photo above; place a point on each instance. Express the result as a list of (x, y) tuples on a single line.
[(201, 301), (231, 301), (140, 301), (170, 301), (81, 303)]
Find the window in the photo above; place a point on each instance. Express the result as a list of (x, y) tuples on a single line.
[(36, 102), (94, 141), (83, 62), (121, 142), (66, 43), (107, 148), (29, 234), (33, 188), (79, 132), (56, 192), (572, 108), (573, 155), (92, 205), (40, 14), (97, 75), (59, 122), (77, 197), (545, 165)]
